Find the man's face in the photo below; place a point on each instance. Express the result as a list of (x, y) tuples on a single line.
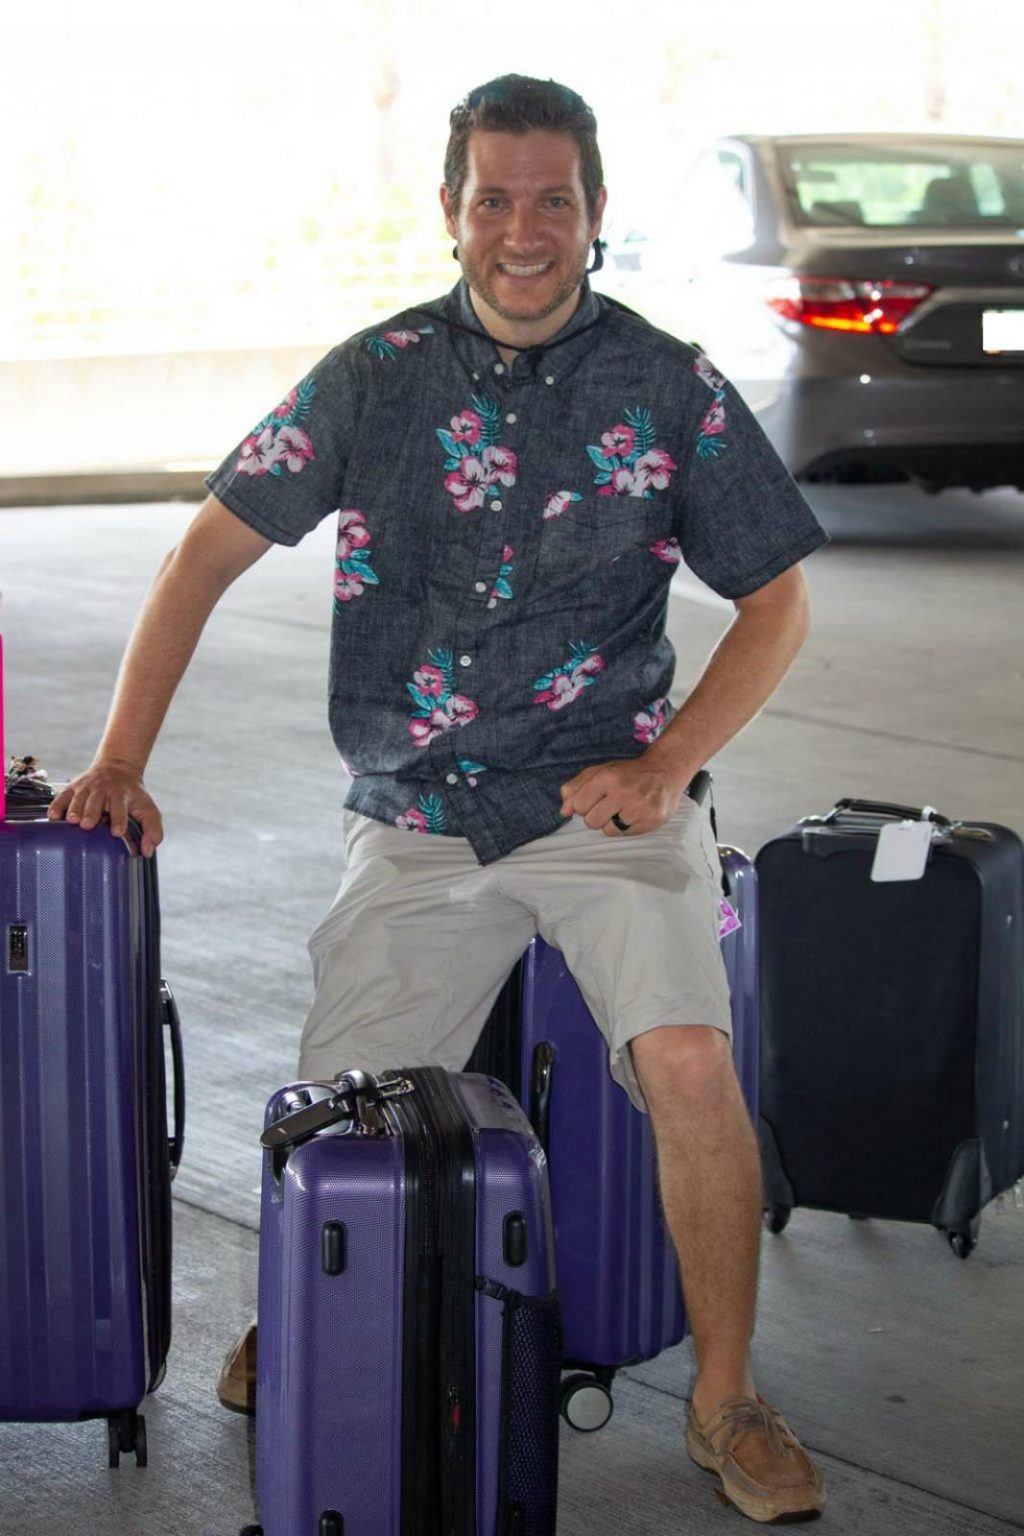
[(523, 229)]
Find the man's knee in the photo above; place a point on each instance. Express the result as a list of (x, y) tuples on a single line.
[(683, 1065)]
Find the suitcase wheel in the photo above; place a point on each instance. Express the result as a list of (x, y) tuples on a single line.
[(586, 1403), (963, 1244), (251, 1530), (126, 1432), (776, 1217)]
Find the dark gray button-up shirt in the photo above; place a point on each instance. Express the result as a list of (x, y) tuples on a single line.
[(507, 534)]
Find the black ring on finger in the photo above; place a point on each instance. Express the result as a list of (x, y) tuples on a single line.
[(617, 821)]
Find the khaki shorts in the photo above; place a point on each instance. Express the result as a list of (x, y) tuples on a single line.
[(420, 938)]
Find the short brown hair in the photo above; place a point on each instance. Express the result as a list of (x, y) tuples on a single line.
[(521, 104)]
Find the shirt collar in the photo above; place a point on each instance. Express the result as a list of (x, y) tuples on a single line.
[(557, 355)]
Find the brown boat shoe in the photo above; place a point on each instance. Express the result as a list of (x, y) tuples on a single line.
[(236, 1386), (764, 1470)]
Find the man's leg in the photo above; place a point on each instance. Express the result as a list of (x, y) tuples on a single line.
[(710, 1177)]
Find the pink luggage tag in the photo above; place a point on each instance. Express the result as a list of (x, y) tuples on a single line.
[(728, 919)]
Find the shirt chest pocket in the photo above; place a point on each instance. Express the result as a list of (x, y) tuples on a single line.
[(592, 534)]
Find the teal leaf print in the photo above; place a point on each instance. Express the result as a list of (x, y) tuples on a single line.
[(643, 425), (502, 587), (432, 807), (443, 660), (709, 447), (490, 414), (455, 451), (423, 704), (598, 458), (380, 348), (467, 766), (604, 478)]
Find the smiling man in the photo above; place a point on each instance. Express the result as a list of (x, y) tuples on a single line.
[(517, 469)]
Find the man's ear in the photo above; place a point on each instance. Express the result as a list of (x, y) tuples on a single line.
[(449, 212), (599, 207)]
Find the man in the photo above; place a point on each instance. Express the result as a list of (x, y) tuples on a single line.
[(519, 467)]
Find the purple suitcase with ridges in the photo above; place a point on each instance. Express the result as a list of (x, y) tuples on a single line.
[(85, 1164), (408, 1351), (617, 1273)]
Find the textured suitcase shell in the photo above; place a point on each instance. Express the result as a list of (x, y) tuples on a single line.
[(84, 1174), (335, 1426)]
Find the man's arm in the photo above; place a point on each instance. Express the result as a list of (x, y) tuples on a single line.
[(744, 670), (216, 548)]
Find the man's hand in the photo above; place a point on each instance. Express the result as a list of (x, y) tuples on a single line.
[(117, 791), (643, 794)]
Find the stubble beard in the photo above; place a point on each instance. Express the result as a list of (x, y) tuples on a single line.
[(481, 285)]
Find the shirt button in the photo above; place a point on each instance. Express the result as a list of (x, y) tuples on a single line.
[(496, 506), (511, 418), (499, 367), (481, 586), (550, 379), (465, 661), (451, 778)]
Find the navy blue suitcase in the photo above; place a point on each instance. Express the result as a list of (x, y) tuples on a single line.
[(892, 1077)]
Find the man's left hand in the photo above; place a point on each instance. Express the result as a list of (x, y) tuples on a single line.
[(640, 793)]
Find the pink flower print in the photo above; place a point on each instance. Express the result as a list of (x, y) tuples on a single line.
[(501, 462), (287, 404), (588, 666), (626, 482), (460, 710), (667, 550), (347, 586), (352, 533), (424, 731), (430, 681), (259, 454), (618, 443), (466, 427), (412, 820), (562, 692), (707, 373), (401, 338), (466, 485), (650, 722), (714, 420), (558, 501), (657, 466), (296, 447)]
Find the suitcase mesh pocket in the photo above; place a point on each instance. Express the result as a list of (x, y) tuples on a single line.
[(531, 1374)]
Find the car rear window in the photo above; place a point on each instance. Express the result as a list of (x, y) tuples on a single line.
[(932, 187)]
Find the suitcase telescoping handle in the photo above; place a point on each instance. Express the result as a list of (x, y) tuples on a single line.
[(885, 808), (540, 1091), (172, 1022), (353, 1096)]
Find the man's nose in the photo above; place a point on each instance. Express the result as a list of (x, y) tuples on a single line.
[(522, 232)]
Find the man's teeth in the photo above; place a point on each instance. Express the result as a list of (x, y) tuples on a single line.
[(507, 266)]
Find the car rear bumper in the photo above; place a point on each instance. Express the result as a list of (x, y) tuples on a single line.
[(961, 427)]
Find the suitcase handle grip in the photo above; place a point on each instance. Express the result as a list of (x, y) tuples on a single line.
[(172, 1022), (540, 1092), (886, 808)]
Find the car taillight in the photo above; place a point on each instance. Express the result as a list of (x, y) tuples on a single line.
[(841, 304)]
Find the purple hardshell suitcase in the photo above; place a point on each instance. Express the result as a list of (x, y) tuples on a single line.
[(617, 1273), (85, 1163), (409, 1349)]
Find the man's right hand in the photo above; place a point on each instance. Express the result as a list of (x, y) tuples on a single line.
[(115, 791)]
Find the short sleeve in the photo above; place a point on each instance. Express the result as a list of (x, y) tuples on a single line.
[(743, 520), (288, 473)]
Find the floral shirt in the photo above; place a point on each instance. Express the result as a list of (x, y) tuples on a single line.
[(506, 538)]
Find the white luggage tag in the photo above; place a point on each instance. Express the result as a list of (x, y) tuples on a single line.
[(902, 851)]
